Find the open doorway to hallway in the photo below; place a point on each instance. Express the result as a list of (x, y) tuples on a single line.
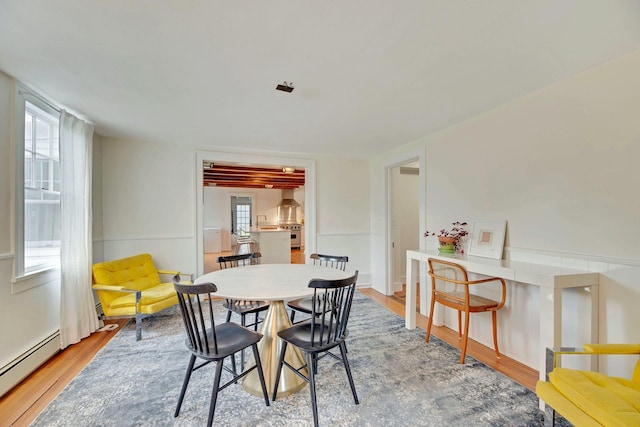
[(404, 211)]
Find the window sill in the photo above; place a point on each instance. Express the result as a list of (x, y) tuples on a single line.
[(34, 279)]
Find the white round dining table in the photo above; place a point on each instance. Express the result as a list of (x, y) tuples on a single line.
[(275, 283)]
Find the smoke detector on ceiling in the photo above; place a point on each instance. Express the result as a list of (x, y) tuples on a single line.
[(285, 87)]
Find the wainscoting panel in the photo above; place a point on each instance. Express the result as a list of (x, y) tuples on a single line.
[(356, 246), (26, 341), (18, 369)]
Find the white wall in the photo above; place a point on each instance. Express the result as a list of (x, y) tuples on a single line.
[(342, 210), (560, 166), (149, 204)]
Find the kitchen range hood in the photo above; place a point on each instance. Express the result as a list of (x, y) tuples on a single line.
[(288, 208)]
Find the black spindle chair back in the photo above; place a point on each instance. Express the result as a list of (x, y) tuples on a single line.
[(324, 331), (332, 261), (211, 342)]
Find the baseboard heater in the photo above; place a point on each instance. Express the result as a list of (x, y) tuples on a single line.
[(19, 368)]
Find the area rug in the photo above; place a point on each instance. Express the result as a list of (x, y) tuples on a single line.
[(399, 378)]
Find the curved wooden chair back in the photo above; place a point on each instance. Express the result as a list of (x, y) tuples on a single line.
[(450, 286)]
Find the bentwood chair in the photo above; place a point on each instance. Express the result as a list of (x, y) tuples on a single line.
[(325, 330), (450, 286), (303, 305), (213, 343)]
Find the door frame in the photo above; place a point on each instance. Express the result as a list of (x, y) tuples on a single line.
[(309, 166), (418, 155)]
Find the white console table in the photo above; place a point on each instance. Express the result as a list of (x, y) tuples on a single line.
[(549, 279)]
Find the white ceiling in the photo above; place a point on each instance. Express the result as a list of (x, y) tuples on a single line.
[(368, 75)]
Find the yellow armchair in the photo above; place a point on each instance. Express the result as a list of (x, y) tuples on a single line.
[(587, 398), (131, 287)]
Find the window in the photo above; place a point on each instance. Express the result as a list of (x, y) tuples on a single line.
[(241, 215), (243, 219), (38, 199)]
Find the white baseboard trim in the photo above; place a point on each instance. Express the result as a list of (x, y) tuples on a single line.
[(18, 369)]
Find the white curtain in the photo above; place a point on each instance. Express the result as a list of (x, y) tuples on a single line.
[(78, 317)]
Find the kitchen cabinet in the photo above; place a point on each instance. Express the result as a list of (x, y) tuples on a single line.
[(212, 240)]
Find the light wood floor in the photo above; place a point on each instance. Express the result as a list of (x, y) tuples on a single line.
[(23, 403)]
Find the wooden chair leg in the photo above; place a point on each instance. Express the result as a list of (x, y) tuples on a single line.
[(430, 321), (214, 392), (460, 324), (465, 338), (263, 383), (185, 383), (279, 370), (345, 362), (233, 364), (494, 316), (312, 388), (243, 322)]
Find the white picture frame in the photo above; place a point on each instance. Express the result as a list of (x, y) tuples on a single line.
[(487, 239)]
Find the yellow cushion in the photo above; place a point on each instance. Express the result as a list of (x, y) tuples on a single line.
[(564, 406), (149, 296), (137, 272), (609, 400)]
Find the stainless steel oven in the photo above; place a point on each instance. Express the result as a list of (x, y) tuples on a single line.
[(296, 236)]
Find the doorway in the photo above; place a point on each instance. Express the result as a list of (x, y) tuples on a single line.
[(206, 157), (404, 187)]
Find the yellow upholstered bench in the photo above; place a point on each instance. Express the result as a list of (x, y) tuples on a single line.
[(131, 287), (588, 398)]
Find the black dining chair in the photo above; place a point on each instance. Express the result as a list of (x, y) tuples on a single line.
[(325, 330), (243, 307), (211, 342), (303, 305)]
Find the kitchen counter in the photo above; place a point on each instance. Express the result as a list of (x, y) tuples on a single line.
[(274, 244), (266, 228)]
